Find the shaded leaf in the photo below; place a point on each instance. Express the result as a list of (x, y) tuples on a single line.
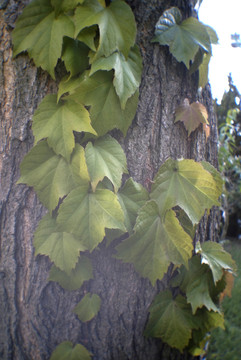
[(216, 258), (48, 173), (57, 121), (111, 20), (87, 214), (192, 115), (127, 72), (169, 318), (75, 279), (66, 351), (87, 36), (41, 33), (203, 70), (186, 223), (157, 242), (183, 38), (88, 307), (105, 158), (75, 56), (62, 248), (99, 93), (185, 183)]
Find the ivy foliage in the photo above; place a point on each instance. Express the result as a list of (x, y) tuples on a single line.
[(76, 167)]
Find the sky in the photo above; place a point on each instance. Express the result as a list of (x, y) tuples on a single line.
[(225, 18)]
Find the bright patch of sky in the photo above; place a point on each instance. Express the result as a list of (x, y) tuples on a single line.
[(225, 18)]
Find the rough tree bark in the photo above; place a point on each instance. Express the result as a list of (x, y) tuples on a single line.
[(35, 315)]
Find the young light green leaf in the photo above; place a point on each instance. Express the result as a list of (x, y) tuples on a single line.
[(66, 351), (99, 93), (192, 115), (105, 157), (87, 214), (57, 121), (169, 318), (88, 307), (75, 279), (216, 258), (78, 166), (132, 196), (75, 56), (127, 72), (48, 173), (183, 38), (62, 248), (111, 20), (41, 33), (185, 183), (215, 174), (157, 242)]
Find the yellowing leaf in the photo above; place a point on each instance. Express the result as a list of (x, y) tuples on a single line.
[(185, 183), (171, 320), (111, 20), (56, 122), (76, 277), (62, 248), (105, 158), (65, 351), (41, 33), (48, 173), (88, 307), (99, 93), (127, 72), (156, 243), (87, 214), (229, 279), (191, 115)]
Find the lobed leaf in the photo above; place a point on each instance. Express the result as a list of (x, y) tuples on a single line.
[(75, 56), (88, 307), (156, 243), (65, 351)]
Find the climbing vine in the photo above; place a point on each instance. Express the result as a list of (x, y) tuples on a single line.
[(76, 166)]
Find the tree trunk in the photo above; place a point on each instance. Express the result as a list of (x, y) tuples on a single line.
[(36, 315)]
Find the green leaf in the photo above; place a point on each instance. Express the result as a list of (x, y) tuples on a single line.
[(40, 33), (48, 173), (57, 121), (88, 307), (216, 258), (157, 242), (62, 248), (65, 351), (183, 38), (203, 70), (186, 223), (112, 21), (78, 166), (87, 214), (75, 279), (127, 72), (192, 115), (65, 5), (132, 196), (99, 93), (87, 36), (185, 183), (105, 157), (197, 283), (215, 174), (171, 320), (75, 56)]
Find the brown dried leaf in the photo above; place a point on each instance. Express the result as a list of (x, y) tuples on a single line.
[(229, 279), (192, 115), (206, 129)]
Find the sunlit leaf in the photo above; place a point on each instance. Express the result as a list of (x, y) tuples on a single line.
[(76, 277), (111, 20), (192, 115), (66, 351), (127, 72), (65, 5), (156, 243), (57, 121), (78, 166), (185, 183), (48, 173), (41, 33), (62, 248), (87, 214), (171, 320), (105, 157), (88, 307)]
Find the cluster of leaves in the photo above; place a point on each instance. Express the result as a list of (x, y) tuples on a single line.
[(196, 41), (76, 168)]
